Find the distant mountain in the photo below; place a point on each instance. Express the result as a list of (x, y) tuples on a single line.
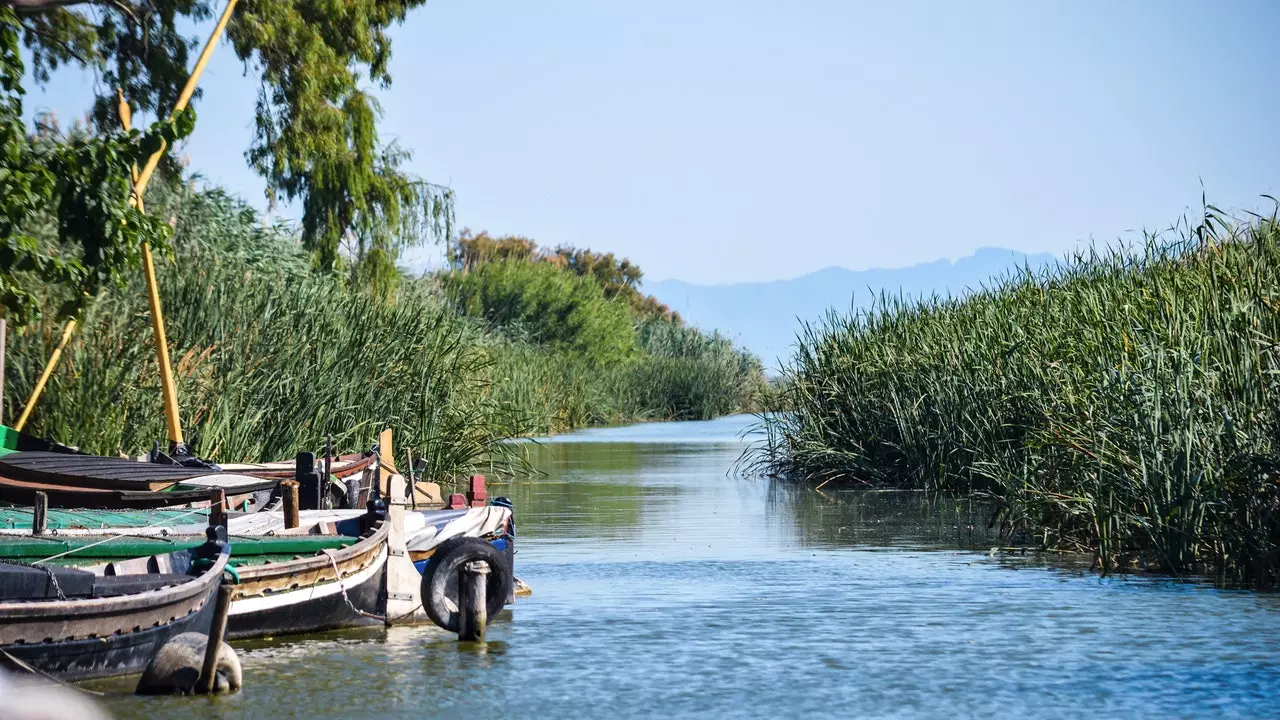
[(764, 316)]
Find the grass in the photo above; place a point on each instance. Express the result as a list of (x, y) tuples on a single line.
[(1124, 403), (269, 358), (271, 355)]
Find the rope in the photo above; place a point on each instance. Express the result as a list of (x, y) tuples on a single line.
[(118, 536), (346, 599), (21, 664)]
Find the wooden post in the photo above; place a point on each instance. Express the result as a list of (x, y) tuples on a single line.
[(217, 507), (413, 483), (402, 582), (290, 488), (386, 462), (217, 630), (40, 514), (328, 470), (473, 582)]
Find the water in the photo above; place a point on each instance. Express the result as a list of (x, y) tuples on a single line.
[(664, 587)]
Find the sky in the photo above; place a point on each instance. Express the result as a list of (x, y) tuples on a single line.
[(725, 141)]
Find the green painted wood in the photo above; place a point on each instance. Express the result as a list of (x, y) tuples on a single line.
[(19, 518), (27, 548)]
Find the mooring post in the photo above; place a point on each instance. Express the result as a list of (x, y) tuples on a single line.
[(290, 488), (473, 582), (217, 507), (40, 514), (217, 630)]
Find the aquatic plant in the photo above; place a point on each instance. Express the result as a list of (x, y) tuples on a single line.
[(269, 357), (271, 354), (1123, 403)]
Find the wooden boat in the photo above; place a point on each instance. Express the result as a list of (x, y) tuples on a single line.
[(329, 572), (77, 624), (72, 479), (334, 588)]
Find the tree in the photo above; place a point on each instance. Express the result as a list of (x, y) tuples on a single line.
[(316, 137), (86, 180)]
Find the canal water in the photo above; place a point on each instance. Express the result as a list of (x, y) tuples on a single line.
[(663, 586)]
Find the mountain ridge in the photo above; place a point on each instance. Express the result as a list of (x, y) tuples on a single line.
[(764, 316)]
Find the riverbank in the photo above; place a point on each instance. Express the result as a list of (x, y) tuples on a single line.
[(1124, 404), (270, 354)]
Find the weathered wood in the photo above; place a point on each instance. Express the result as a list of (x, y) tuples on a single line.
[(217, 630), (290, 491), (50, 620), (40, 514), (403, 581), (328, 469), (473, 581), (413, 482), (386, 462), (353, 493), (217, 507), (257, 580)]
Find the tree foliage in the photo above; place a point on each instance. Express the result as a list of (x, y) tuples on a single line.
[(316, 138), (619, 278), (549, 305), (97, 233)]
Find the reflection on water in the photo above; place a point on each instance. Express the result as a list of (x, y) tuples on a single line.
[(665, 587)]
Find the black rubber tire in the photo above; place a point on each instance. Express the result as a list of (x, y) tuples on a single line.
[(440, 579)]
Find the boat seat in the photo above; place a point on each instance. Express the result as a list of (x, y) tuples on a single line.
[(24, 582), (112, 585)]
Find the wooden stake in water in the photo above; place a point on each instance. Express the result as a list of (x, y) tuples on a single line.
[(217, 630), (473, 582)]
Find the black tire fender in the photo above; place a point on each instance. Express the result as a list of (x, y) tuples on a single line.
[(440, 579)]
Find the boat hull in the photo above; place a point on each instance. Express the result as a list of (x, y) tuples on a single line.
[(327, 591), (124, 654), (86, 638), (316, 609)]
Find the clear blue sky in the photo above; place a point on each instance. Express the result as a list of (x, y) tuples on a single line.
[(728, 140)]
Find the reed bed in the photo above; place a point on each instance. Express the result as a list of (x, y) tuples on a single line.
[(1123, 403), (269, 358), (271, 355)]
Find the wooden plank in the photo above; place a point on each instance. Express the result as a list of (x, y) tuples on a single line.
[(403, 581)]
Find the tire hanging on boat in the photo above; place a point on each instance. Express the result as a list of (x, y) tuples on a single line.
[(440, 579)]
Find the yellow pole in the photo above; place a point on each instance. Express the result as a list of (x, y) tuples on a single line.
[(145, 176), (44, 376), (140, 180)]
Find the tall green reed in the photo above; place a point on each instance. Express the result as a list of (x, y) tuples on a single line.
[(1123, 403)]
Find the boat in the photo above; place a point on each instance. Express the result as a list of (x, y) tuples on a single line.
[(72, 479), (328, 572), (80, 624)]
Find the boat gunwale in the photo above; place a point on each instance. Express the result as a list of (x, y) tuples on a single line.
[(364, 545), (81, 608)]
